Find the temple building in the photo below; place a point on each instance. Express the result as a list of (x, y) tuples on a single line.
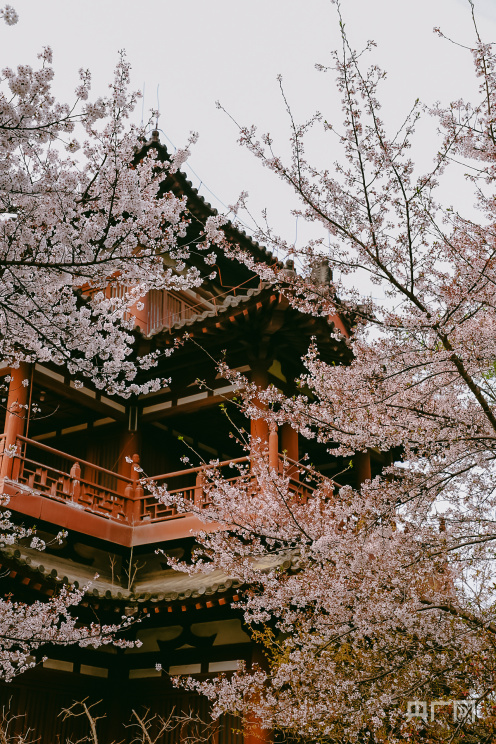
[(71, 470)]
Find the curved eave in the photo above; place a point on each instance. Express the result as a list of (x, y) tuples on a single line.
[(180, 185), (43, 574)]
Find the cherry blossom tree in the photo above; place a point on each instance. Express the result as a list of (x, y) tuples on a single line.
[(375, 604), (86, 230), (26, 628)]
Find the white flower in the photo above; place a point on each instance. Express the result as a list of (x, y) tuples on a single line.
[(9, 15)]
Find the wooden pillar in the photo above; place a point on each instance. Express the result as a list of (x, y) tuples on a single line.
[(289, 447), (253, 733), (289, 441), (273, 447), (138, 491), (129, 445), (259, 428), (199, 492), (76, 481), (133, 492), (16, 415), (362, 464)]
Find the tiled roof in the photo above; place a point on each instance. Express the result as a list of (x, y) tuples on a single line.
[(262, 253), (169, 585)]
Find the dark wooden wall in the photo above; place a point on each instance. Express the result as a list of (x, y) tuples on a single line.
[(38, 696)]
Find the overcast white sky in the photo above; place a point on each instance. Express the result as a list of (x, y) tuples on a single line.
[(198, 51)]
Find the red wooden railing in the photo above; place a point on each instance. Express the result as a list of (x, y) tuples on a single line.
[(185, 483), (64, 478)]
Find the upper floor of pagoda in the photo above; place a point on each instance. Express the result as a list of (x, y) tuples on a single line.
[(68, 449)]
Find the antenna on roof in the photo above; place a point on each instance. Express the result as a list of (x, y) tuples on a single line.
[(143, 105), (158, 106)]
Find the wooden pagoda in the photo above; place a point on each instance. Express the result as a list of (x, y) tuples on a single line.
[(71, 470)]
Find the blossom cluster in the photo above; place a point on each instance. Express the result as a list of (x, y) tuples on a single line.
[(85, 231)]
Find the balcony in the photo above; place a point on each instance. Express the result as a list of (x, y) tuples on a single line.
[(49, 485)]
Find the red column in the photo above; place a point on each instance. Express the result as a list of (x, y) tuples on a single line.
[(259, 428), (289, 446), (362, 464), (254, 734), (289, 441), (138, 491), (15, 418), (129, 445), (273, 447)]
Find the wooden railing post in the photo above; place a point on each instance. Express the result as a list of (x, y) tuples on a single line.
[(198, 497), (129, 505), (136, 488), (16, 462), (75, 474)]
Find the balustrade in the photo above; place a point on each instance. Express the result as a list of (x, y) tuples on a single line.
[(186, 484), (64, 478)]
